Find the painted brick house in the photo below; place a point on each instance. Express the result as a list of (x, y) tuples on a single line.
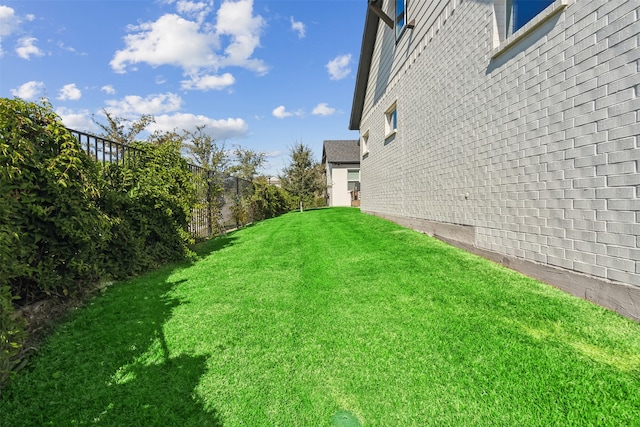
[(509, 128), (341, 162)]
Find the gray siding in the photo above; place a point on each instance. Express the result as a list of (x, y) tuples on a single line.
[(537, 149)]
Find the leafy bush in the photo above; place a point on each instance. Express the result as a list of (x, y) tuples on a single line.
[(49, 192), (240, 209), (319, 202), (150, 200), (12, 334), (268, 200), (51, 230), (65, 221)]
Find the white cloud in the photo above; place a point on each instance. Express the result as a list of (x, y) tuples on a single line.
[(77, 119), (208, 82), (71, 49), (298, 27), (339, 67), (108, 89), (133, 105), (196, 46), (280, 112), (323, 109), (26, 48), (219, 129), (198, 10), (9, 22), (235, 19), (69, 93), (171, 40), (29, 91)]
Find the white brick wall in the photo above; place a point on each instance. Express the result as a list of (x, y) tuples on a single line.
[(537, 148)]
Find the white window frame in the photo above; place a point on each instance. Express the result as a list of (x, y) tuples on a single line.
[(364, 143), (391, 120), (503, 34), (402, 17), (350, 180)]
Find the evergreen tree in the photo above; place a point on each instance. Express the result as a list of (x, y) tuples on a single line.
[(302, 178)]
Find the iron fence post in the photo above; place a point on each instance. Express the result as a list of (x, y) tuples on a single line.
[(209, 203)]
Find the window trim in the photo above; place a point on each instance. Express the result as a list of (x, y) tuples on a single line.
[(390, 119), (551, 10), (357, 181), (364, 142), (400, 31)]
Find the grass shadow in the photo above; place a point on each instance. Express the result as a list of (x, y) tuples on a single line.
[(207, 247), (109, 363)]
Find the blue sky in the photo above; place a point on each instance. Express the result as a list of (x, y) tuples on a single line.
[(263, 74)]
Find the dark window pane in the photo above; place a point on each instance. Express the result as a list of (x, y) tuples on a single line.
[(525, 10), (400, 16)]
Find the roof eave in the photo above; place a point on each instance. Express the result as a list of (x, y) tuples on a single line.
[(364, 65)]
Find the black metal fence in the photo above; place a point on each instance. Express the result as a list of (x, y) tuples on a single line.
[(104, 150), (220, 197), (220, 203)]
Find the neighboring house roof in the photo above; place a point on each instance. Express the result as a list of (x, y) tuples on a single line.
[(341, 151), (364, 65)]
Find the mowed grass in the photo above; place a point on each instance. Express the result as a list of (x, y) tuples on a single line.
[(291, 320)]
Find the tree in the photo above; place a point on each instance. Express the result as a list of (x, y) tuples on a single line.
[(204, 151), (122, 130), (165, 137), (302, 178), (247, 163)]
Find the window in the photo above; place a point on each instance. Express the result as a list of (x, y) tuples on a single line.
[(401, 17), (391, 120), (511, 15), (519, 12), (353, 179), (364, 142)]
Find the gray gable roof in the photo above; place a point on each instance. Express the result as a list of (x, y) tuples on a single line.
[(364, 65), (341, 151)]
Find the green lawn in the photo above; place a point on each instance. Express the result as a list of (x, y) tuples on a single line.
[(289, 321)]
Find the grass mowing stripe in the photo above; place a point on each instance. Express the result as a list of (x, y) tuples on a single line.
[(293, 319)]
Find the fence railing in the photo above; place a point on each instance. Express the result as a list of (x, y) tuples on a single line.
[(103, 150), (217, 194)]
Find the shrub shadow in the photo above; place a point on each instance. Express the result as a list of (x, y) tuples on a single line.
[(109, 363)]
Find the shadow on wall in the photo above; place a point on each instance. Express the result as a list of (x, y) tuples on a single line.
[(524, 43), (385, 64)]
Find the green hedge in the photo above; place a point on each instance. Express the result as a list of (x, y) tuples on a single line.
[(66, 221), (269, 201), (50, 192), (150, 199)]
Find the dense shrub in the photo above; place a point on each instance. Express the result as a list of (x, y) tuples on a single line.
[(12, 334), (66, 221), (49, 191), (319, 202), (268, 200), (51, 230), (150, 200), (240, 208)]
